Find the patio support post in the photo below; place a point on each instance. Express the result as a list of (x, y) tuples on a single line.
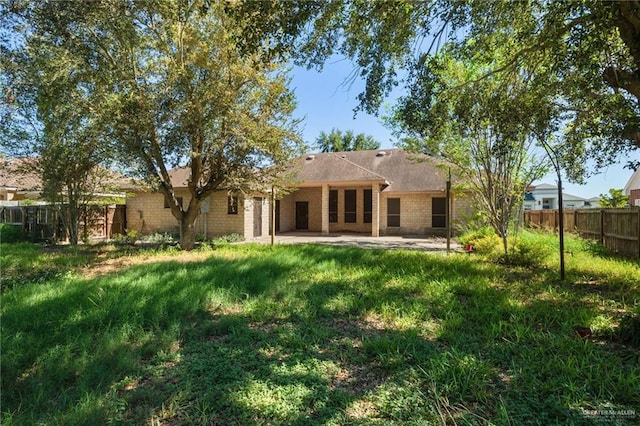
[(375, 210), (325, 208)]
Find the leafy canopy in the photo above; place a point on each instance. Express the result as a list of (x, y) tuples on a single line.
[(337, 141)]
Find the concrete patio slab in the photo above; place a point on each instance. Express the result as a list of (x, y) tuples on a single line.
[(437, 244)]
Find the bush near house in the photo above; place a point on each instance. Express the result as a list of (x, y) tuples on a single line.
[(11, 233)]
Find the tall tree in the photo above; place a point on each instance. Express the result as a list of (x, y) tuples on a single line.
[(46, 113), (174, 90), (592, 46), (337, 141), (485, 130)]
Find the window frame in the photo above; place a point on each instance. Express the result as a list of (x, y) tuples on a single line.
[(393, 213), (351, 206), (367, 208), (232, 205), (439, 218)]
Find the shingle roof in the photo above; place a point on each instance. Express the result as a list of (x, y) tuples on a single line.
[(23, 175), (400, 170), (19, 173)]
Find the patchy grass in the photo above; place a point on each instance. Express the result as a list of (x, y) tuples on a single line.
[(307, 334)]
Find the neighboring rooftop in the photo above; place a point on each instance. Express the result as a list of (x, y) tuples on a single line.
[(19, 174)]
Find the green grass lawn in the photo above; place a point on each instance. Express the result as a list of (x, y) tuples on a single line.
[(249, 334)]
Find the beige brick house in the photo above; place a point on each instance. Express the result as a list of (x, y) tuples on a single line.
[(222, 213), (378, 192)]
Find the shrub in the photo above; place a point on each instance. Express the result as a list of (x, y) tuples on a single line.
[(484, 241), (527, 252), (230, 238), (129, 237), (11, 233), (472, 236), (158, 238), (629, 330)]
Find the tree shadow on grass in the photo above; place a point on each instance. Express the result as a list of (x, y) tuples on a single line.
[(304, 335)]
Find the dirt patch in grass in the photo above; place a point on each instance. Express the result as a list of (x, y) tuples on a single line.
[(108, 266)]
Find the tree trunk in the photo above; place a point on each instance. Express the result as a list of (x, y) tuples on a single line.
[(72, 223), (187, 225), (187, 234)]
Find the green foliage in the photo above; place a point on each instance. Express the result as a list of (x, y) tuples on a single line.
[(222, 241), (528, 251), (615, 198), (130, 236), (193, 99), (489, 245), (336, 141), (483, 240), (11, 233), (629, 329), (580, 54), (230, 238), (308, 334), (485, 127)]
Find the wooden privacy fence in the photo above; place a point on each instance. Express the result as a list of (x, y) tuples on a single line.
[(617, 229), (44, 222)]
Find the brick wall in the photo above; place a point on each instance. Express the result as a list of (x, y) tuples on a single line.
[(415, 214), (287, 213), (146, 214), (634, 197), (217, 221), (415, 211), (288, 209)]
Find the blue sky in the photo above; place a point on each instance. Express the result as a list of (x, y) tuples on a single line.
[(327, 102)]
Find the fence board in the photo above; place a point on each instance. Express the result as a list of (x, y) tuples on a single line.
[(617, 229), (40, 222)]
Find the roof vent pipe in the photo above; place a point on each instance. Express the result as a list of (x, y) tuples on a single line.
[(381, 154)]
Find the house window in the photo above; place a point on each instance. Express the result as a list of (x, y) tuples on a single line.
[(166, 202), (232, 205), (439, 212), (350, 206), (333, 206), (393, 212), (368, 205)]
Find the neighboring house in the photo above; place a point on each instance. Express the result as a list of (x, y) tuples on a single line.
[(18, 180), (545, 197), (377, 192), (632, 189), (21, 200), (593, 202)]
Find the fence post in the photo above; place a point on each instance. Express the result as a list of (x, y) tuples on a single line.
[(602, 227)]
